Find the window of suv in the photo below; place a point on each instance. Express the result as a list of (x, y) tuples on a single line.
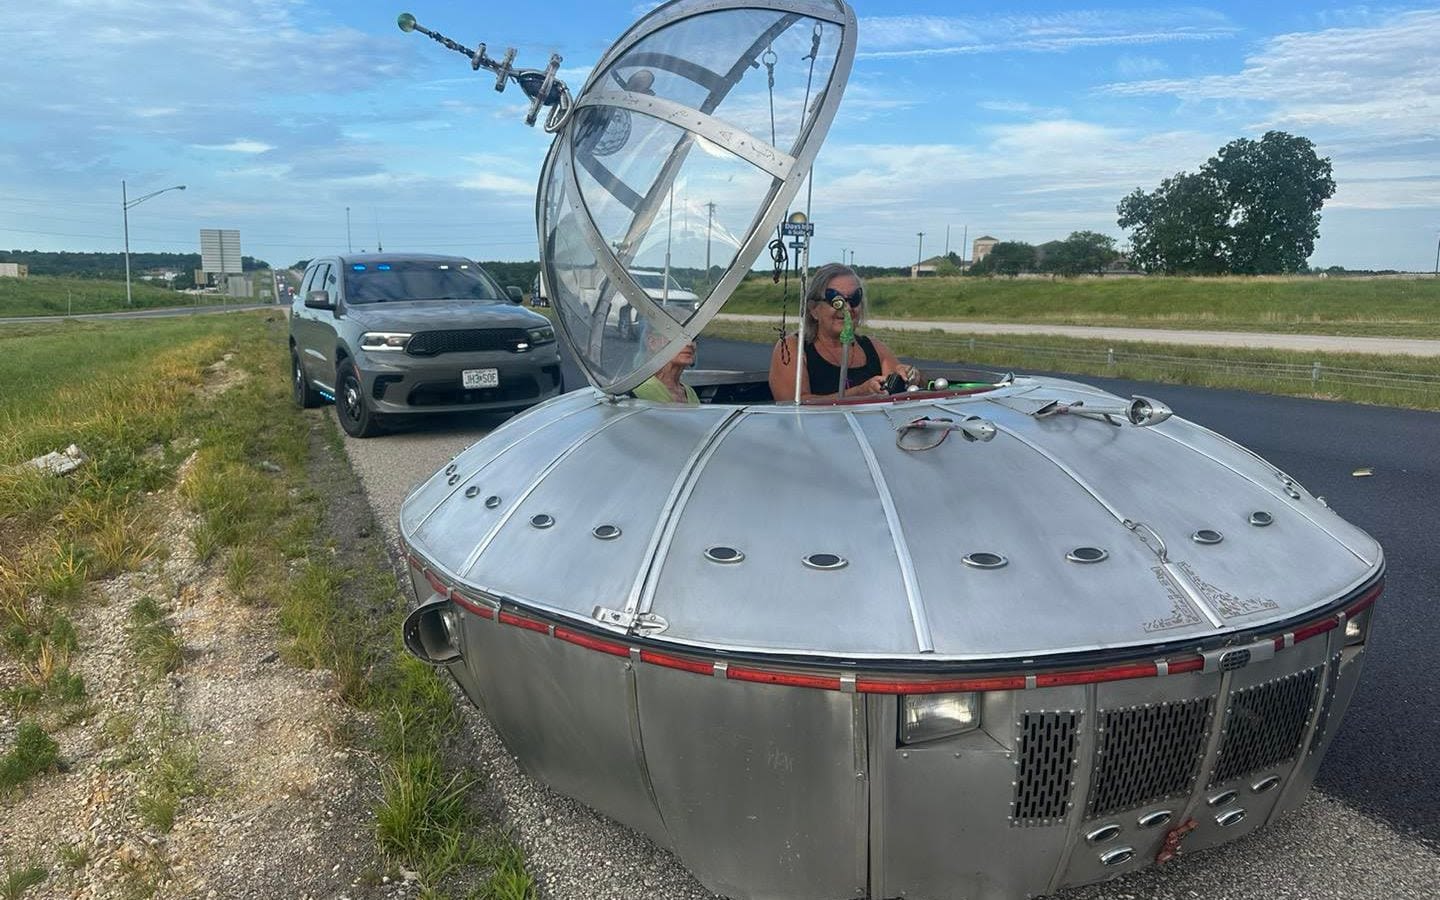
[(410, 280)]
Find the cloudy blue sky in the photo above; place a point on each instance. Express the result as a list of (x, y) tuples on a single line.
[(1025, 121)]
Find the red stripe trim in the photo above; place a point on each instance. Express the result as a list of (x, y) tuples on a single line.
[(591, 643), (509, 618), (791, 679), (1181, 666), (949, 686), (469, 605), (698, 666), (1365, 602), (1314, 629), (440, 587), (1092, 676)]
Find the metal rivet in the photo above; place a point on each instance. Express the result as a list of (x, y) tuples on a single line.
[(1260, 518), (1087, 555), (606, 532), (984, 560), (1103, 833), (472, 491), (1207, 536), (1117, 856), (724, 555), (492, 501), (825, 561), (542, 520)]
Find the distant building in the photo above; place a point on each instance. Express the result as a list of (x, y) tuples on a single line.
[(923, 270), (981, 248), (14, 270)]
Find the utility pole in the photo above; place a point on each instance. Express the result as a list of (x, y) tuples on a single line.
[(349, 246), (1437, 256), (709, 220), (965, 244), (920, 253), (947, 240)]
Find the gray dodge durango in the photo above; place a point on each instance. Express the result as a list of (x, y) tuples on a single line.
[(386, 334)]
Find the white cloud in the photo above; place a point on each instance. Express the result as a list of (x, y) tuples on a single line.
[(241, 146)]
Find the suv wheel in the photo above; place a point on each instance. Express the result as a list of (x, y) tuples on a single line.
[(305, 396), (351, 408)]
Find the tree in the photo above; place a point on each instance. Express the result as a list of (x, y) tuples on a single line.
[(1007, 258), (1082, 252), (1275, 188), (1253, 208)]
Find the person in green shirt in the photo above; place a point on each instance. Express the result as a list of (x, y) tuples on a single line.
[(665, 385)]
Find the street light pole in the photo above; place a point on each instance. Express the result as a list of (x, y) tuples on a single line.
[(125, 204), (920, 252)]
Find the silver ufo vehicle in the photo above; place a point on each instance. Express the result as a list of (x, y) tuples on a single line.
[(821, 651)]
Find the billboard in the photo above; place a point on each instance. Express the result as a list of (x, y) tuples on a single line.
[(220, 251)]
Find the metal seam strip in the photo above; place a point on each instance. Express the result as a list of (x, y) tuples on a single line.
[(924, 641), (494, 531), (672, 521), (746, 146), (1197, 599), (688, 473), (485, 465)]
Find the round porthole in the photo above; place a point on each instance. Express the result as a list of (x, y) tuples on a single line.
[(606, 532), (1087, 555), (1207, 536), (825, 561), (492, 501), (984, 560), (472, 491), (542, 520), (1260, 518), (724, 555)]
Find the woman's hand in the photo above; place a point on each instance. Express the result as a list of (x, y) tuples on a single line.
[(873, 385)]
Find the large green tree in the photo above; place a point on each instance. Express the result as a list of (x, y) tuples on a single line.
[(1083, 252), (1007, 258), (1253, 208)]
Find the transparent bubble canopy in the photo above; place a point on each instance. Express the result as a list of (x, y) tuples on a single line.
[(684, 150)]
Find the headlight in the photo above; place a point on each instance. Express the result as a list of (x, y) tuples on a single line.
[(927, 717), (383, 340), (545, 334), (1357, 628)]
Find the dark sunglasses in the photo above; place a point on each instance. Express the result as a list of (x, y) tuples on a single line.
[(833, 297)]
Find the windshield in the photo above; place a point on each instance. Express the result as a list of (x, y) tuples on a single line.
[(409, 280), (654, 281)]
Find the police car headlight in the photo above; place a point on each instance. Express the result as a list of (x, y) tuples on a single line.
[(383, 340), (545, 334), (928, 717)]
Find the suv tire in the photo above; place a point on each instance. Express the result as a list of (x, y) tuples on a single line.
[(305, 396), (351, 407)]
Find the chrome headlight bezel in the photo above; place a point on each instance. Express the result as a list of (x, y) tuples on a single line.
[(384, 341)]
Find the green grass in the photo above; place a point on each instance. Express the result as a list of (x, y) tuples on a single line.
[(171, 777), (50, 295), (1402, 307), (1167, 363), (17, 881), (34, 752), (153, 639)]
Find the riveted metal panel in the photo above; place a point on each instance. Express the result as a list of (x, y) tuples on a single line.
[(758, 783), (1046, 748), (1265, 724), (1148, 753)]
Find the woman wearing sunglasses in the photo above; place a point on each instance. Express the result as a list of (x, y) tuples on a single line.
[(833, 288)]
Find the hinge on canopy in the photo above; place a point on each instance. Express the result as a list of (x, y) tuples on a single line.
[(638, 623)]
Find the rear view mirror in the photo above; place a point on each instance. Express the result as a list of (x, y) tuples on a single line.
[(319, 300), (515, 294)]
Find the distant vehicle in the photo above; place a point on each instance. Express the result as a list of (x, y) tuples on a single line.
[(538, 296), (384, 335), (661, 288)]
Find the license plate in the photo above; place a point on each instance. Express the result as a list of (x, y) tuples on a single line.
[(480, 378)]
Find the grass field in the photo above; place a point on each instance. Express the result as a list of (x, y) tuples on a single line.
[(44, 295), (143, 401), (1400, 307)]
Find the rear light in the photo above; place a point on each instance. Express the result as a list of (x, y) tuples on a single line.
[(929, 717)]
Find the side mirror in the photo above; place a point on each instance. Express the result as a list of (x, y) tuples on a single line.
[(319, 300), (515, 294)]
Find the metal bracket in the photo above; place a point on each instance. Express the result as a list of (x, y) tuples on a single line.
[(637, 623)]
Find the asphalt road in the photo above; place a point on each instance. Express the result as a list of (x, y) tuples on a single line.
[(1372, 829)]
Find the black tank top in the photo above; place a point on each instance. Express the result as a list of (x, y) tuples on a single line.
[(825, 375)]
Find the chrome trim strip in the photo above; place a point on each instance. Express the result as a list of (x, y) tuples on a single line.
[(642, 592), (737, 141), (924, 641), (535, 482)]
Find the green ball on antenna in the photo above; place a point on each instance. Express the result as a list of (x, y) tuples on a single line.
[(406, 22)]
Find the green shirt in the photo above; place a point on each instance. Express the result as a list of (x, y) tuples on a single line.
[(656, 391)]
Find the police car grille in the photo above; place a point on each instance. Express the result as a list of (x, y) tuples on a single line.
[(1265, 725), (1147, 753), (465, 340)]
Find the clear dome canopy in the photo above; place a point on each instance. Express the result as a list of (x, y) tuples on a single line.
[(681, 156)]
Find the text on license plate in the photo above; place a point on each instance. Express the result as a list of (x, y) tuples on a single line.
[(479, 378)]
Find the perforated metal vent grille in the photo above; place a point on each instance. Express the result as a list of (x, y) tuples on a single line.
[(1324, 720), (1147, 754), (465, 340), (1265, 724), (1047, 757)]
